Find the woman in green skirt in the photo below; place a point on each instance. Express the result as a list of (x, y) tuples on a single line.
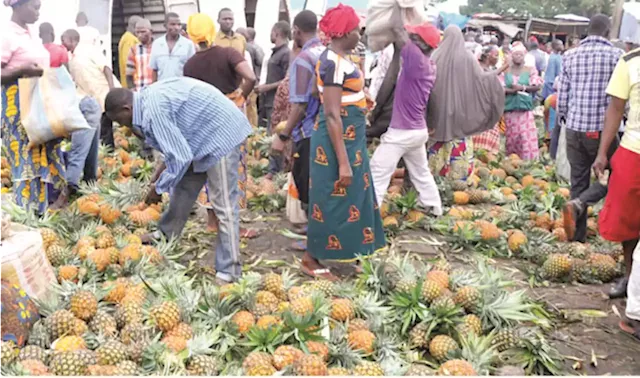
[(344, 220)]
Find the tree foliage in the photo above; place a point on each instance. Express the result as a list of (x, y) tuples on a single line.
[(537, 8)]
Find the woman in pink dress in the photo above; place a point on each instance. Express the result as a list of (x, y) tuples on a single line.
[(520, 84)]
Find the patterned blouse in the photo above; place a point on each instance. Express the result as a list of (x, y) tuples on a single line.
[(281, 104)]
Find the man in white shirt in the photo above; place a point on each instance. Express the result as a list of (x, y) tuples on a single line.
[(88, 34)]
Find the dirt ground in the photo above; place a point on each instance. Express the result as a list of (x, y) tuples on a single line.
[(591, 345)]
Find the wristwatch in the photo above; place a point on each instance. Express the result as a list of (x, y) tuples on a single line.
[(284, 137)]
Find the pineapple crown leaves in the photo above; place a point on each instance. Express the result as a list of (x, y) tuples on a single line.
[(289, 279), (374, 277), (264, 339), (407, 202), (509, 308), (479, 351), (535, 355), (408, 307), (201, 344), (308, 327), (245, 289), (340, 353), (178, 288), (370, 307)]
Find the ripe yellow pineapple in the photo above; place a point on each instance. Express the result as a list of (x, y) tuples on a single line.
[(474, 323), (84, 304), (103, 323), (357, 325), (273, 283), (105, 240), (57, 254), (439, 277), (166, 315), (302, 306), (244, 320), (431, 290), (111, 352), (457, 368), (108, 214), (68, 363), (35, 367), (310, 364), (60, 323), (368, 369), (268, 300), (132, 252), (69, 343), (49, 237), (342, 309), (267, 321), (296, 292), (261, 371), (604, 266), (517, 240), (68, 273), (136, 294), (460, 198), (175, 343), (286, 355), (101, 258), (182, 330), (441, 345), (488, 230), (128, 314), (362, 340), (468, 297), (318, 348), (338, 372), (257, 359), (117, 289), (557, 266)]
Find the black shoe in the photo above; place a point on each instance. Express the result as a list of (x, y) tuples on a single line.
[(620, 289)]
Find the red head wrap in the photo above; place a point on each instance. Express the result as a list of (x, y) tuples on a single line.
[(339, 21)]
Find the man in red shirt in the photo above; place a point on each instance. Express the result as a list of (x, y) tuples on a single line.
[(58, 54)]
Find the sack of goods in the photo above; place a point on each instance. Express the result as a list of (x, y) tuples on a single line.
[(50, 106), (382, 15)]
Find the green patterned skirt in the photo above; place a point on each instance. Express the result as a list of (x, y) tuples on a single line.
[(343, 223)]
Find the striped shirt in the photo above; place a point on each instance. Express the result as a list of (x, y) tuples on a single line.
[(585, 73), (190, 122)]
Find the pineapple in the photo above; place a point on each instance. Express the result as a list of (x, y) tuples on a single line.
[(457, 368), (405, 285), (120, 231), (69, 363), (443, 304), (132, 333), (175, 343), (468, 297), (318, 348), (474, 323), (461, 198), (68, 273), (286, 355), (33, 352), (368, 369), (505, 339), (310, 364), (477, 196), (103, 323), (127, 369), (267, 321), (114, 255), (69, 343), (273, 283), (357, 325), (302, 306), (431, 290), (441, 345), (202, 366), (132, 252), (362, 340), (439, 277), (557, 266), (35, 367), (261, 371), (459, 185), (84, 304), (257, 359), (166, 315), (244, 320), (418, 370), (40, 335), (101, 259), (136, 295), (268, 300), (604, 266), (324, 286), (342, 309), (111, 353), (102, 371), (128, 314), (9, 352), (117, 289), (60, 323), (517, 240), (182, 330), (417, 336), (338, 372), (49, 237), (136, 351), (57, 255), (105, 240)]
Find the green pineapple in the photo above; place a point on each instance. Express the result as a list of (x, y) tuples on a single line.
[(69, 363), (127, 369), (505, 339), (417, 335), (111, 353), (39, 335), (418, 370), (203, 366), (103, 323), (33, 352), (9, 352)]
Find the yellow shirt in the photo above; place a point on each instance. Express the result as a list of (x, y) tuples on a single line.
[(624, 85), (86, 66), (127, 41), (236, 41)]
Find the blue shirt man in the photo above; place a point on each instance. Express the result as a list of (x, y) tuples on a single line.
[(554, 67), (170, 52)]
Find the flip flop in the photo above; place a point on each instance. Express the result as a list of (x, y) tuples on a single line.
[(627, 328), (249, 234), (318, 273), (299, 245)]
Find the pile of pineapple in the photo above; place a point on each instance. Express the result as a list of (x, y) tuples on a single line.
[(401, 316)]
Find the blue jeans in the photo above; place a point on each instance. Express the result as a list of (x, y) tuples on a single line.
[(83, 156), (222, 181)]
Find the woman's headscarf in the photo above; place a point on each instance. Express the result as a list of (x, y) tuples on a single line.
[(465, 101), (201, 28), (14, 3), (518, 47), (339, 21)]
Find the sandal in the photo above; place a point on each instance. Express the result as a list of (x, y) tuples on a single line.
[(323, 273), (628, 329), (248, 234)]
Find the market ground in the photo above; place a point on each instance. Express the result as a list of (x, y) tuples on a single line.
[(590, 341)]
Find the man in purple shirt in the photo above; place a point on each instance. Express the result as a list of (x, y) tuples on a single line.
[(408, 133)]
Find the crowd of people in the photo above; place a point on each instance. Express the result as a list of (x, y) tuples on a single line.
[(195, 94)]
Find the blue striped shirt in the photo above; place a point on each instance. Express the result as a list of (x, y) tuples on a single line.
[(190, 122)]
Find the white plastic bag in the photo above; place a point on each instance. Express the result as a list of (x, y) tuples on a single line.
[(380, 15), (49, 106), (24, 261), (633, 288), (293, 208), (563, 168)]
